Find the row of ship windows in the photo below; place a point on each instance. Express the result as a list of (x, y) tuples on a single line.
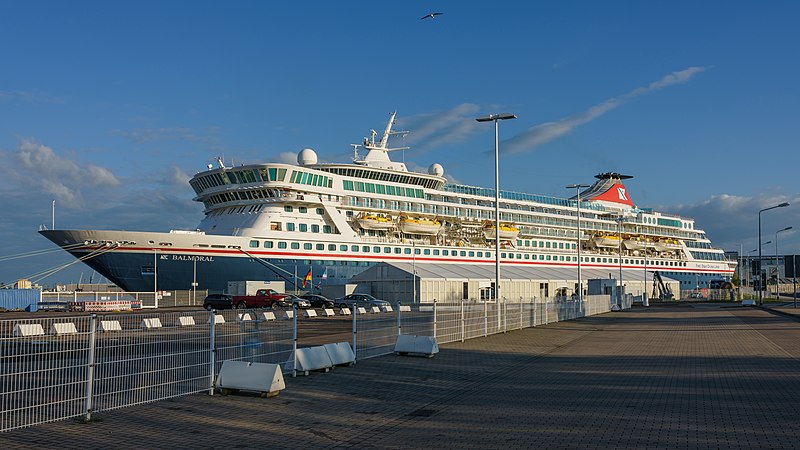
[(301, 227), (374, 188), (444, 252), (223, 178), (545, 244), (383, 176), (708, 256)]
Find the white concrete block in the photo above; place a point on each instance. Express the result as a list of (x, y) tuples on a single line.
[(387, 308), (328, 312), (345, 311), (63, 328), (250, 376), (405, 308), (218, 319), (28, 329), (748, 302), (362, 310), (150, 323), (374, 310), (340, 353), (310, 313), (243, 317), (269, 315), (110, 325), (311, 358), (426, 308), (420, 345), (185, 321), (288, 315)]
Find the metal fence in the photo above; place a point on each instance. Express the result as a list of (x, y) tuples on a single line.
[(53, 368)]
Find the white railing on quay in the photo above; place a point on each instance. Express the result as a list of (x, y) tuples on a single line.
[(53, 368)]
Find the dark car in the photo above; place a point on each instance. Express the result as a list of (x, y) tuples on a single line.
[(292, 299), (218, 301), (318, 301), (359, 300)]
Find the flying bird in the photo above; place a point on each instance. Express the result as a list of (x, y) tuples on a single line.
[(431, 15)]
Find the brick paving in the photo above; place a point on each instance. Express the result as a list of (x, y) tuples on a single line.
[(683, 376)]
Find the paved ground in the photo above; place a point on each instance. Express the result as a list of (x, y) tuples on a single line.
[(683, 376)]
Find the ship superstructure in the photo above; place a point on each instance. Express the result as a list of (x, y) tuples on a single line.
[(262, 221)]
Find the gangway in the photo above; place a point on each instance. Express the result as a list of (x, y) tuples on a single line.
[(660, 289)]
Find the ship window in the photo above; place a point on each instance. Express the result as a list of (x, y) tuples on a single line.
[(287, 208), (320, 246), (547, 244), (560, 245), (365, 249), (315, 228), (426, 251), (462, 253), (593, 259), (436, 253), (503, 255), (387, 250), (445, 252), (320, 211), (407, 251), (527, 256), (273, 174), (561, 258), (200, 245), (480, 254), (267, 244), (281, 244), (295, 246), (376, 249), (289, 226), (471, 254), (303, 227), (541, 244), (331, 247), (253, 244), (354, 248), (342, 248), (519, 256), (548, 257), (527, 243), (326, 229), (307, 246), (398, 250), (303, 209)]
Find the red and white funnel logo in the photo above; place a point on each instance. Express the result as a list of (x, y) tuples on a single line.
[(615, 194)]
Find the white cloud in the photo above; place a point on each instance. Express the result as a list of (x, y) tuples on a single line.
[(440, 128), (543, 133), (148, 135), (48, 173), (287, 158)]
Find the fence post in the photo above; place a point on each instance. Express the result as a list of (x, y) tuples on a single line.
[(434, 318), (505, 315), (212, 351), (399, 323), (520, 313), (355, 313), (294, 340), (90, 367), (462, 321), (485, 318)]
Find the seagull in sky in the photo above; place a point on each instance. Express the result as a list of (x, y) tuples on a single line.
[(431, 15)]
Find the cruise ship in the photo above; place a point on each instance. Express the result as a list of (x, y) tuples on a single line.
[(277, 221)]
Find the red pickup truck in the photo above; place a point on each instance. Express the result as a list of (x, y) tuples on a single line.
[(264, 298)]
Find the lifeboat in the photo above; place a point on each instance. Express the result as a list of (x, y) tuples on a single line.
[(666, 245), (635, 243), (419, 225), (375, 222), (606, 241), (507, 231)]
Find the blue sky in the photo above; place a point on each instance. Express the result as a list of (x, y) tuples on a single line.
[(109, 107)]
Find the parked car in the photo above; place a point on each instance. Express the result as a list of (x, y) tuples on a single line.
[(318, 301), (218, 301), (356, 300), (292, 299)]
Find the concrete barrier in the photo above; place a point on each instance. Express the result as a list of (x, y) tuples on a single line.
[(328, 312), (63, 328), (243, 317), (340, 353), (288, 315), (185, 321), (28, 329), (311, 358), (405, 308), (250, 376), (374, 310), (417, 345), (110, 325), (310, 313), (387, 308), (362, 310), (269, 315), (345, 311), (218, 319), (151, 323)]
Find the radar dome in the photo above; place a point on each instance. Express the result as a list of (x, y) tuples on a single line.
[(306, 156), (436, 169)]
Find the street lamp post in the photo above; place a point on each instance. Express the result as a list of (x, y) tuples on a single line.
[(782, 205), (578, 188), (777, 261), (619, 233), (496, 118)]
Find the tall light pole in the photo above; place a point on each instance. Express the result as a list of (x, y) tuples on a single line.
[(619, 232), (777, 261), (578, 188), (496, 118), (782, 205)]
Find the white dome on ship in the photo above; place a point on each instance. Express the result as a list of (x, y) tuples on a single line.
[(306, 156), (436, 169)]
